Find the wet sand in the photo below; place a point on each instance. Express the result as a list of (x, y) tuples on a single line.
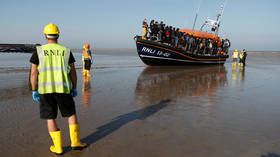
[(135, 110)]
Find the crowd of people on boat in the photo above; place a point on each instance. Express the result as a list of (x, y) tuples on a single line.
[(172, 36)]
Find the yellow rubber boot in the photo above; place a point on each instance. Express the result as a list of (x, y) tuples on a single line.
[(88, 73), (57, 141), (84, 72), (75, 137)]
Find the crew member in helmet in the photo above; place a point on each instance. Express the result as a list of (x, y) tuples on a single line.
[(242, 57), (235, 55), (87, 60), (53, 80), (145, 29)]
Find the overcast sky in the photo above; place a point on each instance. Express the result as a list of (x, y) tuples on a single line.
[(250, 24)]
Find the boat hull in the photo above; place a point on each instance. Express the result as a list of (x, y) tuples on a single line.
[(154, 53)]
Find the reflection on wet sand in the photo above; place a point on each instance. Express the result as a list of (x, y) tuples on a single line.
[(241, 74), (238, 74), (160, 83), (86, 93)]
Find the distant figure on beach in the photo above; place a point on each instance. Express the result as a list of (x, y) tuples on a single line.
[(242, 57), (235, 55), (53, 79), (87, 60), (145, 29)]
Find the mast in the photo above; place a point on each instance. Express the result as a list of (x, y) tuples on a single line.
[(220, 16), (199, 2), (215, 24)]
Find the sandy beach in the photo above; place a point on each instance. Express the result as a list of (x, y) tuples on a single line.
[(128, 109)]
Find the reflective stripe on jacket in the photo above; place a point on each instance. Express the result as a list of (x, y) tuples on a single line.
[(53, 69)]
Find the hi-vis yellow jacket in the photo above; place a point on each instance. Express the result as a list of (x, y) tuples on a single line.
[(53, 69), (235, 54)]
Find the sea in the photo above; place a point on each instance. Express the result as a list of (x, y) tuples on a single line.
[(102, 59)]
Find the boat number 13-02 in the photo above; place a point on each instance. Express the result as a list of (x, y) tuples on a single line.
[(153, 51)]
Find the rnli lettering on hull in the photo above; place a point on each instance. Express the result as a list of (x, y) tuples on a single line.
[(155, 52)]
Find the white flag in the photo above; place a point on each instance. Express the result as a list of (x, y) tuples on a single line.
[(212, 22)]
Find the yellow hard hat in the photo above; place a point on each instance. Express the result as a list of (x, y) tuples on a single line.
[(236, 50), (51, 29)]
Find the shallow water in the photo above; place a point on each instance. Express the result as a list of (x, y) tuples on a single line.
[(129, 109), (20, 61)]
